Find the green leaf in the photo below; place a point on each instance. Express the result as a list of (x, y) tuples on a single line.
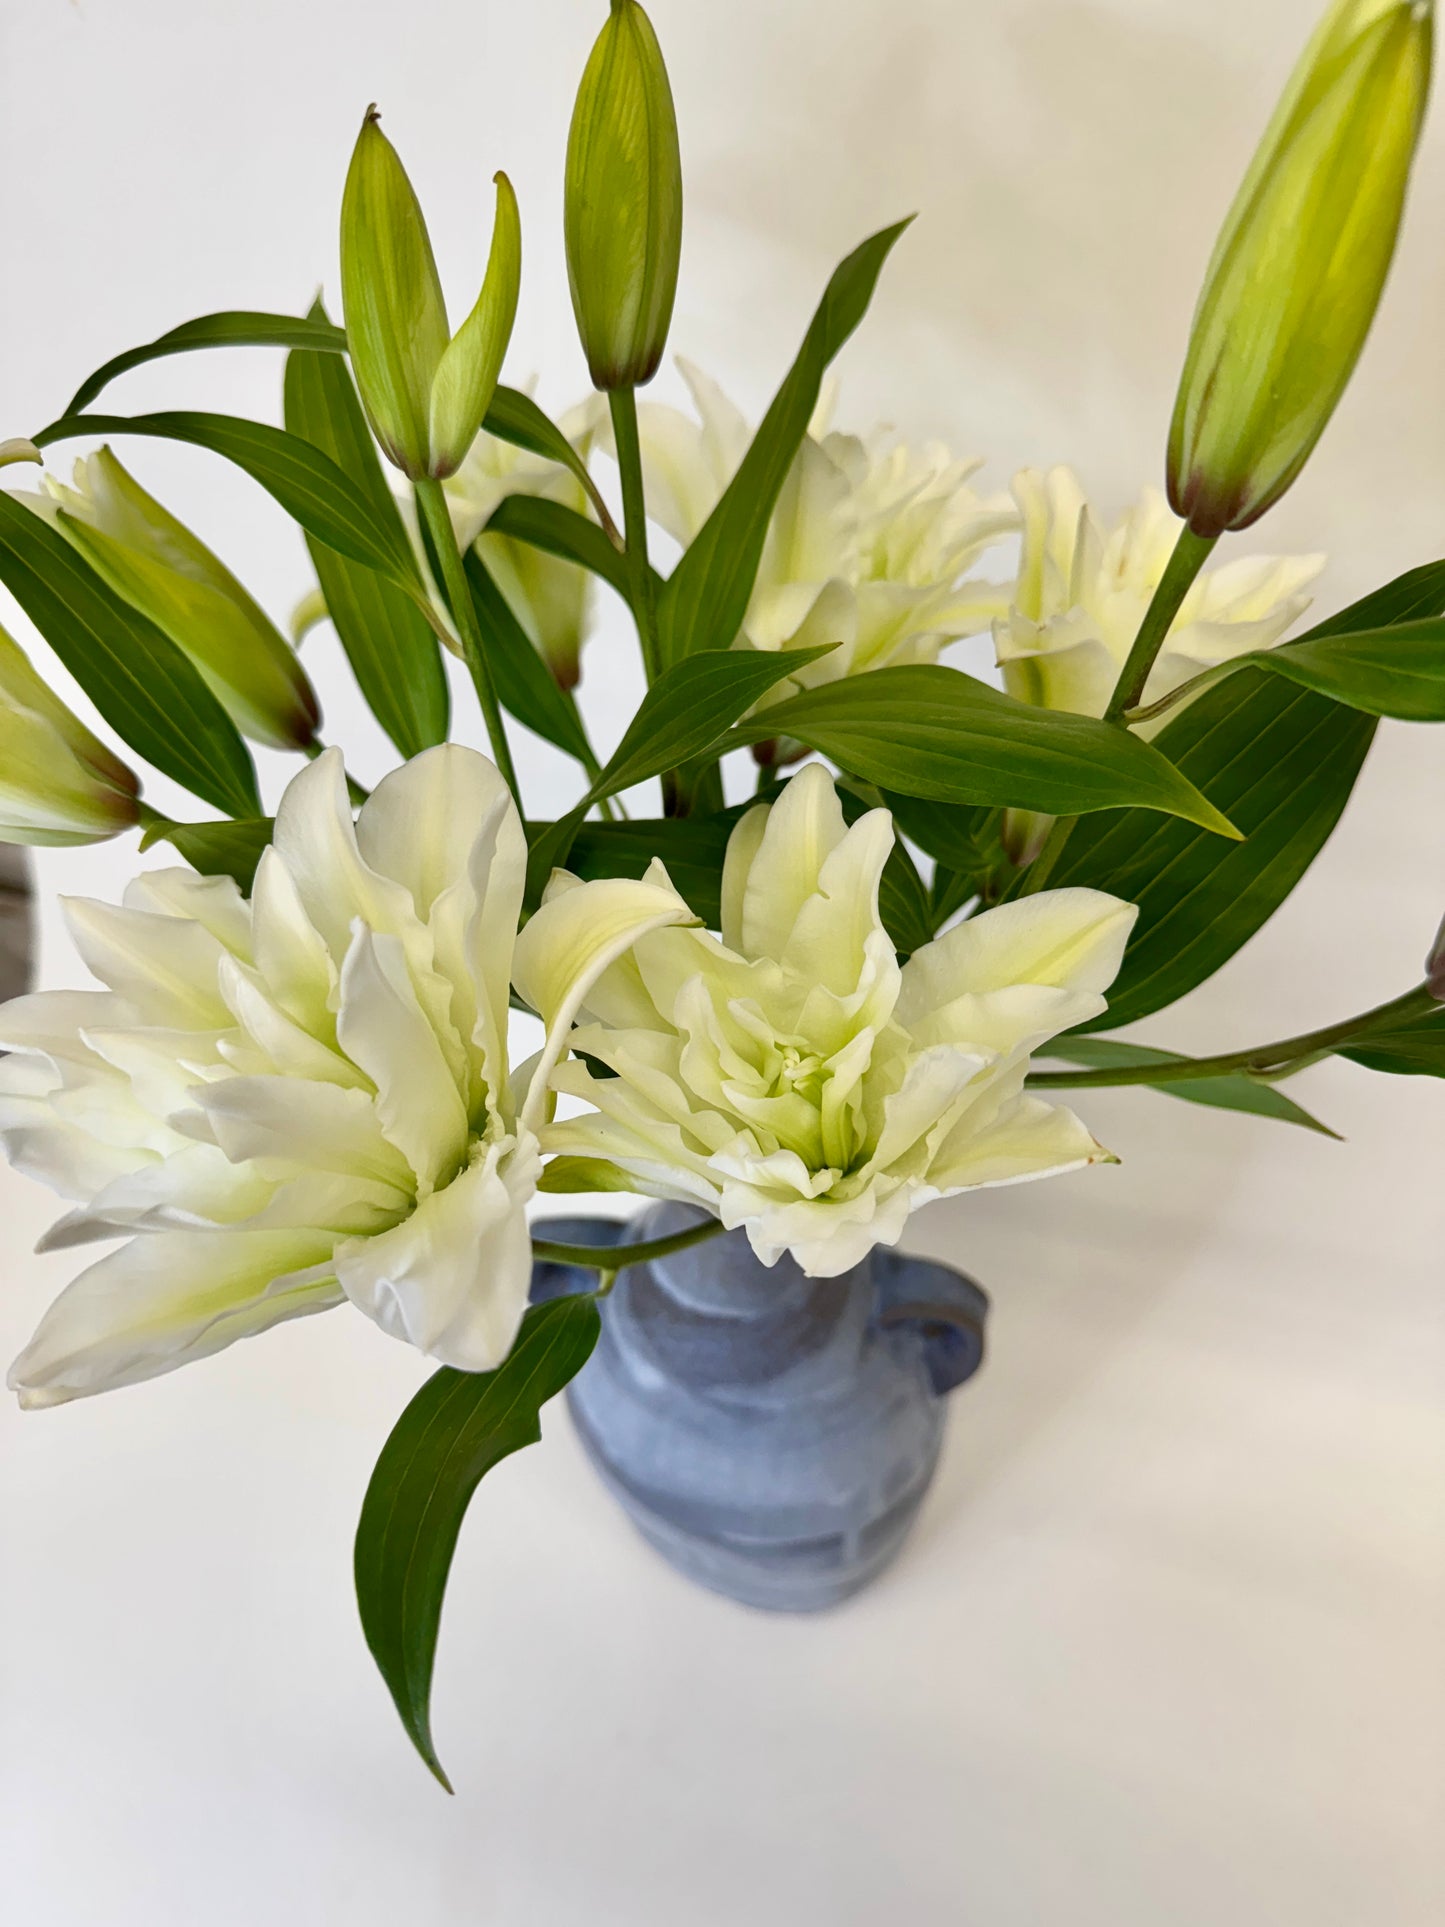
[(141, 683), (459, 1425), (962, 837), (692, 848), (1399, 671), (308, 484), (525, 685), (1230, 1092), (1281, 762), (233, 329), (218, 849), (690, 707), (560, 531), (514, 417), (391, 647), (1413, 1049), (925, 730), (706, 597), (1419, 592)]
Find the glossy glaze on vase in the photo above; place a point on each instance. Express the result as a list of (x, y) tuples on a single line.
[(772, 1435)]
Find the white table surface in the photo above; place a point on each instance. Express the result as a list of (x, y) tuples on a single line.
[(1167, 1645)]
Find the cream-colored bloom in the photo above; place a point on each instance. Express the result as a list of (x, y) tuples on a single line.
[(304, 1098), (551, 598), (793, 1078), (871, 545), (58, 783), (170, 576), (1082, 594)]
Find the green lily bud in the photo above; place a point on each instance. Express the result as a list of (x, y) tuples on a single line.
[(623, 206), (425, 394), (160, 568), (1300, 264), (59, 785)]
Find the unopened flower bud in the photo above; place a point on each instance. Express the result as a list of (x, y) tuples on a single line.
[(425, 393), (59, 785), (1299, 266), (623, 206), (171, 577)]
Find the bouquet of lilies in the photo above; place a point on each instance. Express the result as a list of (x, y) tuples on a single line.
[(809, 992)]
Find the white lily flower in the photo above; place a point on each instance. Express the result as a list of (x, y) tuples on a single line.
[(550, 597), (1082, 594), (304, 1098), (59, 784), (871, 545), (792, 1077)]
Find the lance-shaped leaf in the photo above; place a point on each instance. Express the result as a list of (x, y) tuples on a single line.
[(137, 678), (1399, 671), (925, 730), (688, 710), (1281, 762), (1229, 1092), (308, 484), (525, 685), (560, 531), (391, 647), (459, 1425), (237, 328), (1415, 1048), (706, 597)]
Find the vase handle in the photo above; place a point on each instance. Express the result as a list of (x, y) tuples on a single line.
[(945, 1308)]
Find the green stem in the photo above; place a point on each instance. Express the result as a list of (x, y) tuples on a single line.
[(1191, 552), (1186, 691), (432, 506), (1266, 1060), (634, 519), (615, 1258)]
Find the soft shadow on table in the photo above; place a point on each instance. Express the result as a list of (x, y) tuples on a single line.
[(1073, 1266)]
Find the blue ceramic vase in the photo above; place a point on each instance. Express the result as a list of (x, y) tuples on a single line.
[(771, 1435)]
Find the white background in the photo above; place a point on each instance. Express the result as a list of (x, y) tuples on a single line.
[(1167, 1646)]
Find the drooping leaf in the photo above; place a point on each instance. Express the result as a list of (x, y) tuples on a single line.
[(144, 687), (1281, 762), (1228, 1092), (459, 1425), (926, 730), (233, 329), (219, 849), (514, 417), (391, 647), (706, 597), (560, 531), (306, 482), (525, 685)]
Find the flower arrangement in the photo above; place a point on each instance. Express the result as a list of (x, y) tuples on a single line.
[(807, 1010)]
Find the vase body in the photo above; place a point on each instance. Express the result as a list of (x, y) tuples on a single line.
[(771, 1435)]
